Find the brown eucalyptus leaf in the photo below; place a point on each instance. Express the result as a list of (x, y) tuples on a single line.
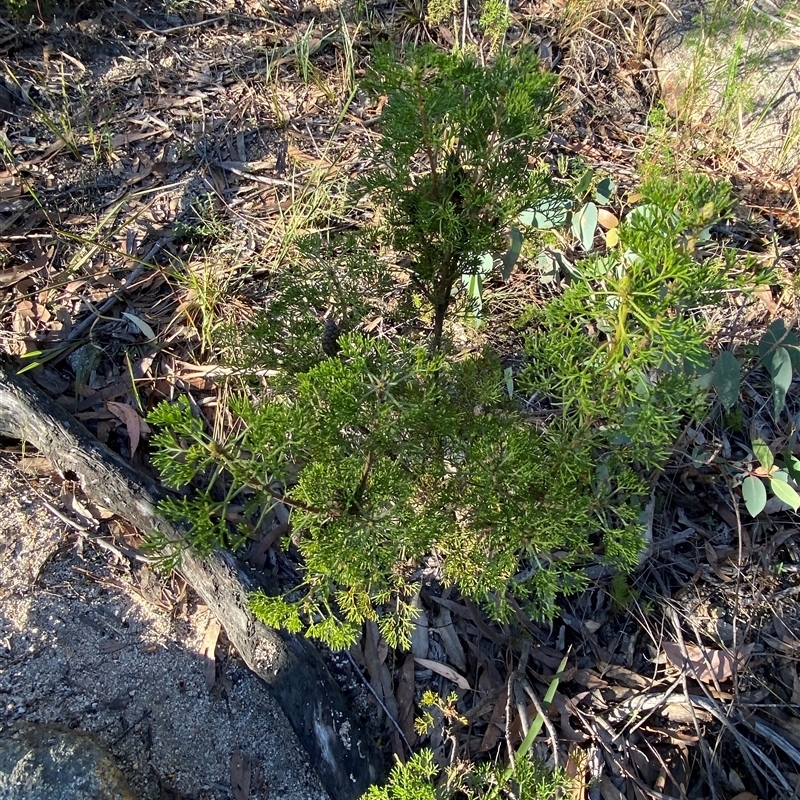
[(209, 649), (707, 664), (405, 698), (625, 676), (444, 671), (133, 422), (496, 727), (590, 679)]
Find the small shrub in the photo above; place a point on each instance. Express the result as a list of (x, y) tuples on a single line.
[(406, 463), (451, 172), (393, 458), (421, 779)]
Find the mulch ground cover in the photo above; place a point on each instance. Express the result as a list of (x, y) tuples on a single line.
[(155, 161)]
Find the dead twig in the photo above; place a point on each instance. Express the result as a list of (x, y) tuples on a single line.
[(551, 731), (372, 691)]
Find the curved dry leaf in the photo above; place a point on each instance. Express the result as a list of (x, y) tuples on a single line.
[(71, 502), (143, 327), (606, 219), (624, 676), (705, 664), (444, 671), (496, 726), (443, 625), (133, 422)]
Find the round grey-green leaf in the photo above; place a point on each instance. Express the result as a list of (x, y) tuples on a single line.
[(584, 224), (727, 377), (785, 492), (754, 494)]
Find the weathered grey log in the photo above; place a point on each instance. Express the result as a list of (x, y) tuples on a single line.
[(346, 760)]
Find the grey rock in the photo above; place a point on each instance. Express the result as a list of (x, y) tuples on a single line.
[(48, 762), (736, 70)]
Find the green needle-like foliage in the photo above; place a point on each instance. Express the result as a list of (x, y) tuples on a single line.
[(450, 173), (405, 464), (622, 350), (451, 170), (421, 779), (393, 460)]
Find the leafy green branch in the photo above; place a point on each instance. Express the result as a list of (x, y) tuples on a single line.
[(476, 127)]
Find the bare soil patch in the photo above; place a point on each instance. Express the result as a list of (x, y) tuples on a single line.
[(99, 642)]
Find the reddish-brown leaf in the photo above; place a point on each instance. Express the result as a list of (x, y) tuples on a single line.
[(496, 727), (133, 422)]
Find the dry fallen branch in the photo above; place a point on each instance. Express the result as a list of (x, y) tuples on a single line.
[(346, 761)]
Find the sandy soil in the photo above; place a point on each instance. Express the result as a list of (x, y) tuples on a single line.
[(101, 643)]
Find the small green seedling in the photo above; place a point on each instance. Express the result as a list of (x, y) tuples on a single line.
[(769, 474)]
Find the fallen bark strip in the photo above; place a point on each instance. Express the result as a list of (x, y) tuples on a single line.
[(346, 761)]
